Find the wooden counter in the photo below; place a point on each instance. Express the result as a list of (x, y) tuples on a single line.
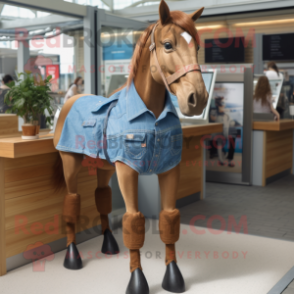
[(282, 125), (9, 125), (272, 149), (192, 169), (28, 201)]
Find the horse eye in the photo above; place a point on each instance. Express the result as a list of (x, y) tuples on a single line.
[(168, 46)]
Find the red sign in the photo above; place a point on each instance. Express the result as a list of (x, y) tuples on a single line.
[(53, 70)]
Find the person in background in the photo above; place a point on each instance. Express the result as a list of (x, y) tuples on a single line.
[(273, 71), (262, 99), (74, 89), (220, 116), (3, 90)]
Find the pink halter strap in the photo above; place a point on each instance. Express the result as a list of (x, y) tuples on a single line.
[(179, 73)]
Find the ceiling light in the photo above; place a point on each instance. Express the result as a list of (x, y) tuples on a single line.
[(208, 27), (266, 22)]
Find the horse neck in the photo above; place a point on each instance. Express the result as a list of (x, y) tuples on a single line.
[(152, 93)]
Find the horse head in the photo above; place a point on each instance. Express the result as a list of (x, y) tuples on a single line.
[(174, 55)]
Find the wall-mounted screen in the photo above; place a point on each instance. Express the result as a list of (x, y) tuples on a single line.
[(225, 150), (115, 82), (209, 80), (224, 50), (276, 87), (278, 47)]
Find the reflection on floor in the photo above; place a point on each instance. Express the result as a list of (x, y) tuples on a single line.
[(213, 164), (267, 211)]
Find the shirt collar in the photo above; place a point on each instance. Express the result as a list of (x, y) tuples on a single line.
[(136, 106)]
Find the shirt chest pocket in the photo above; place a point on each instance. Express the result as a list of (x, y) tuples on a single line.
[(92, 129), (135, 145)]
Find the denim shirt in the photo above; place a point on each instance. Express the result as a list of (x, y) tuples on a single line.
[(134, 135)]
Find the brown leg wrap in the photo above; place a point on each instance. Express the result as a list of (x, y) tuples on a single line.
[(103, 201), (104, 223), (71, 208), (170, 253), (134, 230), (134, 236), (135, 260), (71, 234), (169, 228)]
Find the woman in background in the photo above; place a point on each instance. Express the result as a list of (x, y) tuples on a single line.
[(3, 90), (262, 99), (220, 116), (74, 88), (273, 72)]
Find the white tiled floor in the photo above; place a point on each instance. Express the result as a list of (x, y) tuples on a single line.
[(257, 265)]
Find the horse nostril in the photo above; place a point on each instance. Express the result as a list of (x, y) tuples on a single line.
[(192, 100)]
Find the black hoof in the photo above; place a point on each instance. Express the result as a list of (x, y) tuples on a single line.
[(138, 283), (173, 280), (109, 245), (72, 259)]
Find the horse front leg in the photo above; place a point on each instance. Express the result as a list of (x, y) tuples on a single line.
[(133, 227), (169, 227), (103, 199), (72, 164)]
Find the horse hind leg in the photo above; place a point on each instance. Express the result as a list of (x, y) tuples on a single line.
[(71, 207), (103, 199)]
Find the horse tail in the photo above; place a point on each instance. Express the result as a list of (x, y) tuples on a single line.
[(58, 175)]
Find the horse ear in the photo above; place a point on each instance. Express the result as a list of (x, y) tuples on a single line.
[(164, 12), (195, 15)]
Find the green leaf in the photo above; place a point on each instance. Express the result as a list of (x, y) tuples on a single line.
[(19, 103), (49, 78)]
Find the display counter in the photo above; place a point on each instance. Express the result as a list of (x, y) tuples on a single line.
[(30, 207), (9, 125), (192, 176), (192, 179), (272, 150)]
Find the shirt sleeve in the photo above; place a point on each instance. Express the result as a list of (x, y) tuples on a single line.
[(269, 99)]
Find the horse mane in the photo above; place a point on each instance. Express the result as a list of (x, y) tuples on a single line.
[(178, 18)]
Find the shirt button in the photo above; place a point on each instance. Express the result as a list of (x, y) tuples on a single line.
[(150, 170), (156, 155), (158, 140), (156, 124)]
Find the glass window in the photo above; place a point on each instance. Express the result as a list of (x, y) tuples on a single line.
[(55, 49), (117, 51)]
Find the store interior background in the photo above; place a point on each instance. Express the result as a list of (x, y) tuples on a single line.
[(57, 46), (67, 55)]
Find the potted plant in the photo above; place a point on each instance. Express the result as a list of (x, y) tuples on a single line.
[(29, 98)]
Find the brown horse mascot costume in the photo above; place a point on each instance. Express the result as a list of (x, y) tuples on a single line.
[(165, 60)]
